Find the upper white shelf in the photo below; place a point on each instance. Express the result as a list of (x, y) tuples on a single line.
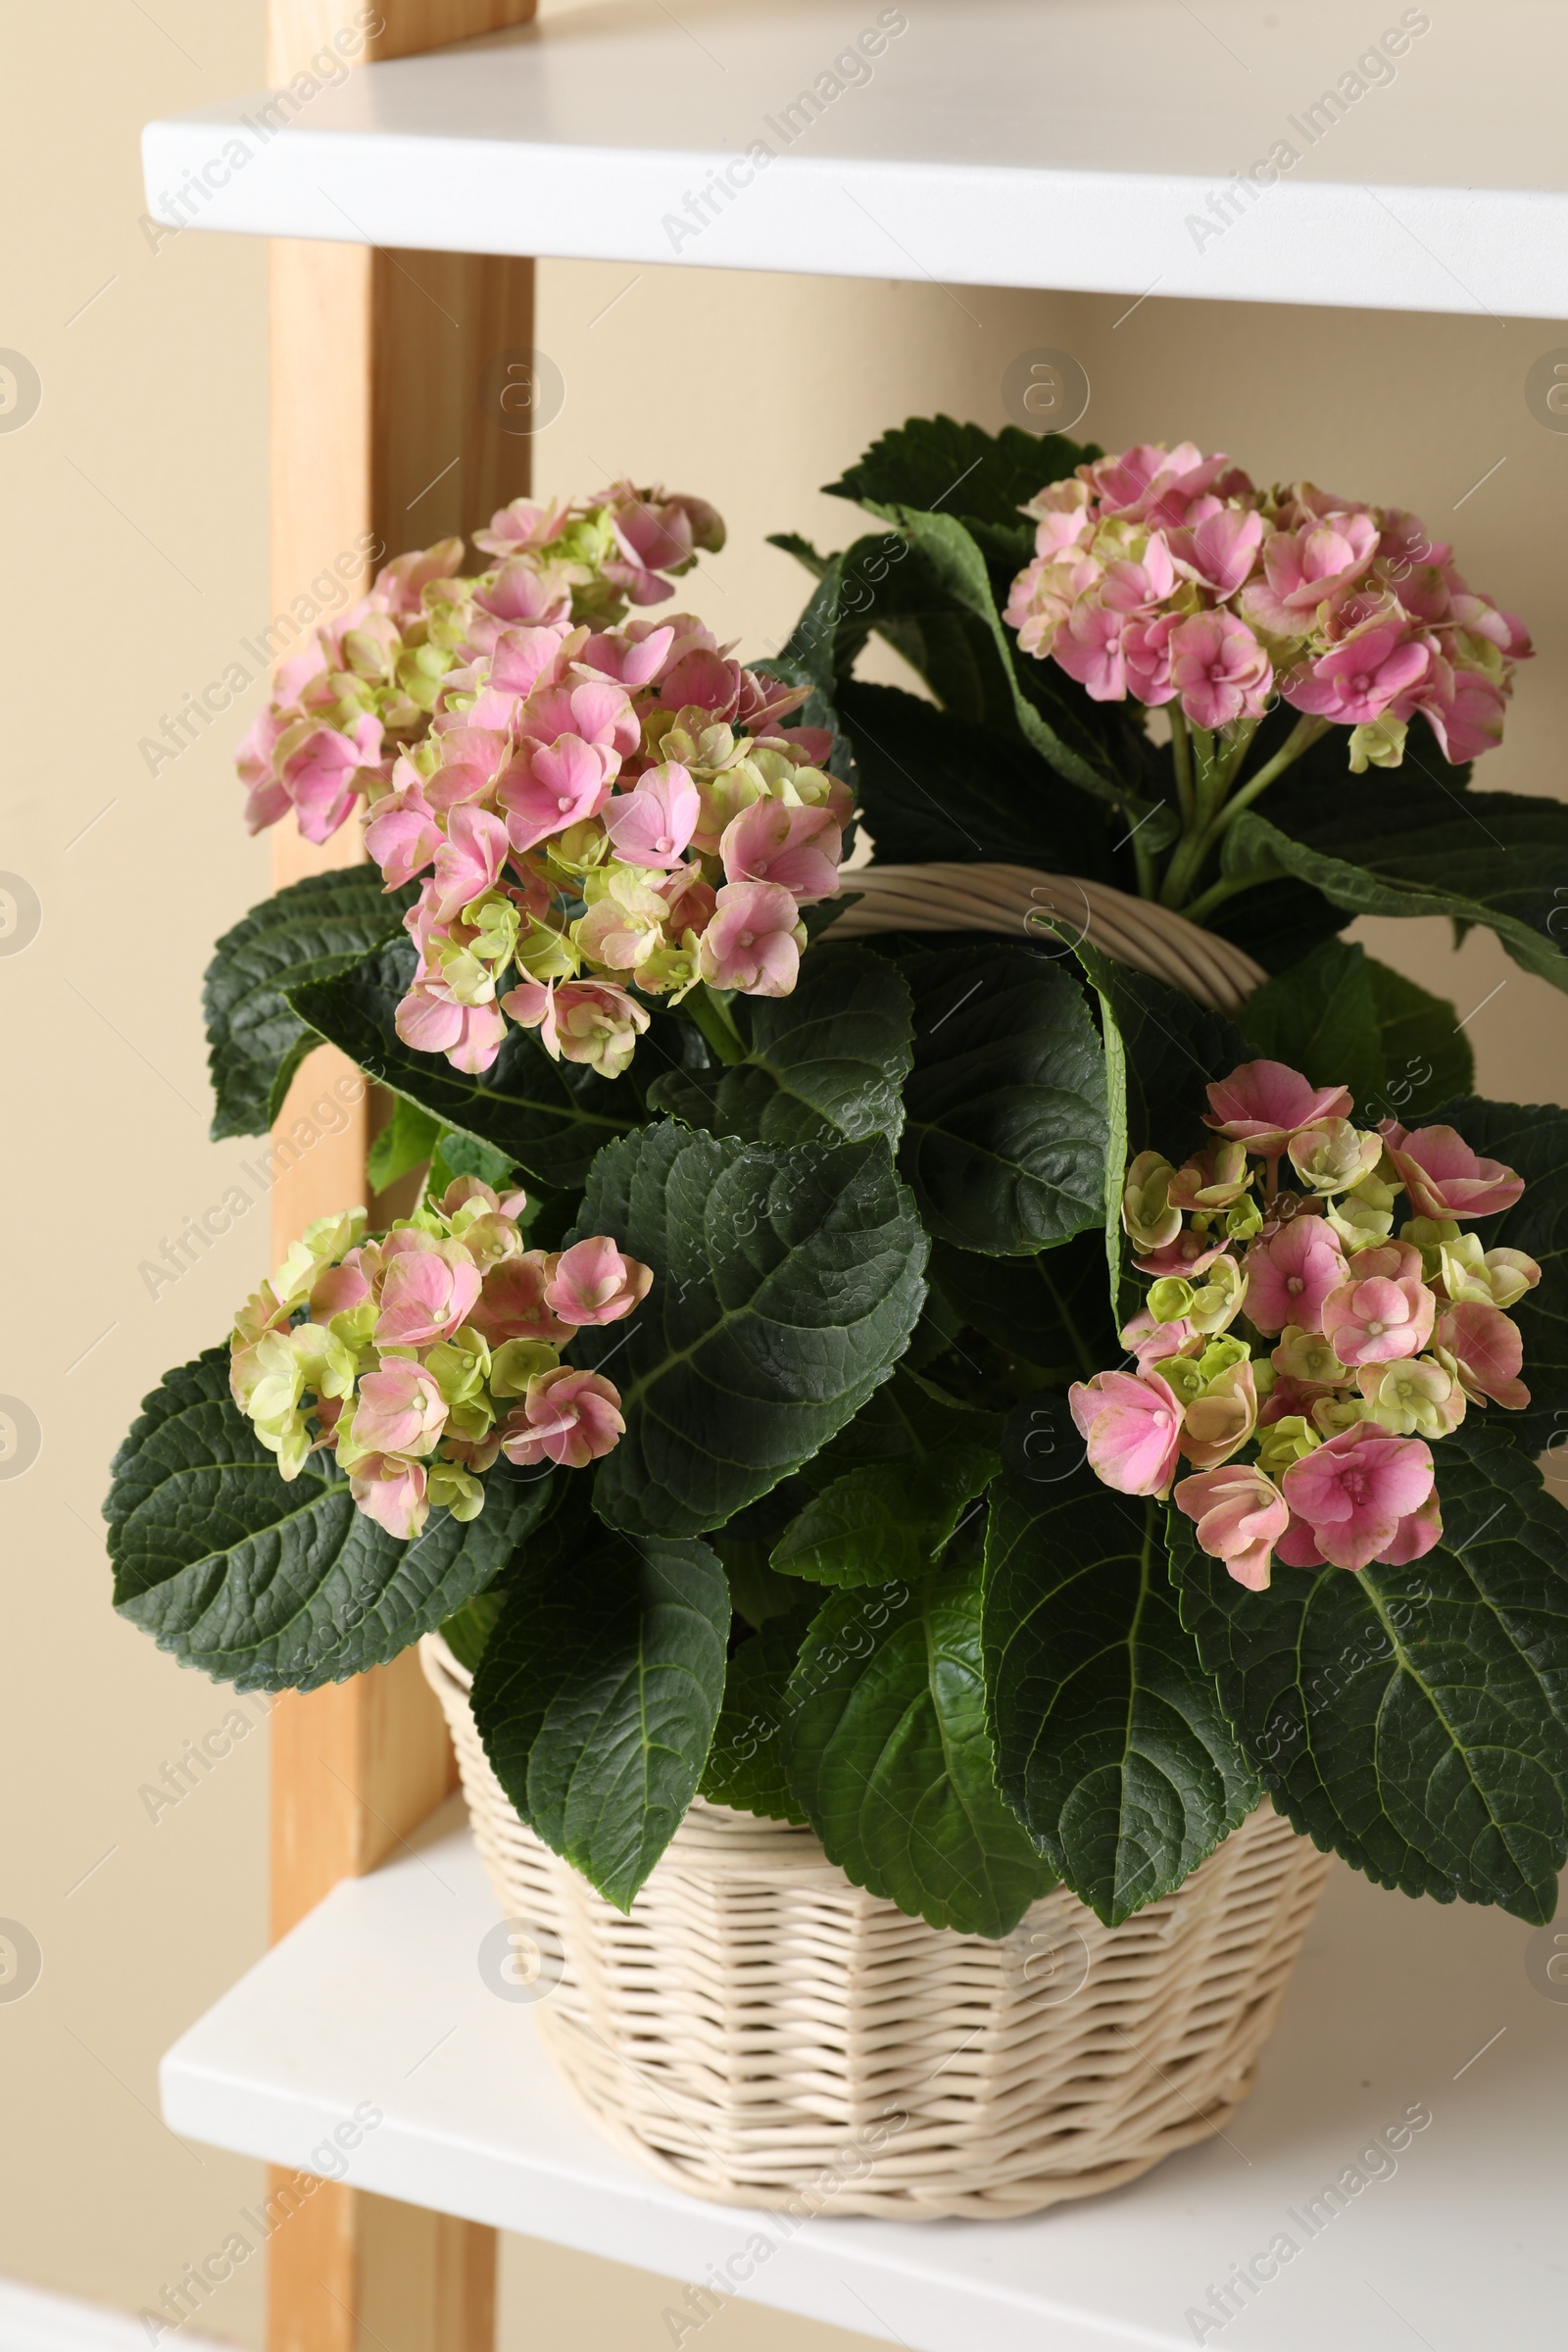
[(376, 1999), (1405, 159)]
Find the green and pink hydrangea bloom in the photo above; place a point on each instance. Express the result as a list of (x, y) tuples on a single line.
[(1166, 575), (1301, 1362), (590, 801), (420, 1356)]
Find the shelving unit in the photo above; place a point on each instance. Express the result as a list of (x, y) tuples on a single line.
[(378, 1996), (1074, 144), (1067, 144)]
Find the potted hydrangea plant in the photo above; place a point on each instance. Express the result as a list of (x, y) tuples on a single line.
[(1022, 1422)]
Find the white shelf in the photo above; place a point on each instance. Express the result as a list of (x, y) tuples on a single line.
[(1041, 143), (377, 1998)]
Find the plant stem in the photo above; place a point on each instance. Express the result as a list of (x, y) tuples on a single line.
[(711, 1017), (1200, 909), (1301, 738), (1236, 752), (1147, 879), (1183, 868), (1203, 774), (1181, 756), (1192, 852)]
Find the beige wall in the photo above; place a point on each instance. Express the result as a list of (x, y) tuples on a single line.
[(133, 521)]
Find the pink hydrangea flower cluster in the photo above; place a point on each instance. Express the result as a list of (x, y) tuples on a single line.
[(594, 804), (1163, 574), (421, 1355), (1291, 1321)]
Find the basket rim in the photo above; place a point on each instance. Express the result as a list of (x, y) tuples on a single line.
[(987, 895), (728, 1842)]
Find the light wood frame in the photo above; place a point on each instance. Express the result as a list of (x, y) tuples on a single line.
[(381, 435)]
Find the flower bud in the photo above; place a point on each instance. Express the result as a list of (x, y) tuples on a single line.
[(1428, 1235), (466, 979), (1363, 1216), (1216, 1301), (1221, 1355), (545, 953), (1171, 1298), (1212, 1179), (327, 1364), (1182, 1377), (1333, 1156), (592, 1283), (459, 1366), (1244, 1219), (1146, 1213), (670, 971), (1378, 742), (450, 1487), (1219, 1422), (1285, 1440), (488, 1237), (1332, 1414), (520, 1362)]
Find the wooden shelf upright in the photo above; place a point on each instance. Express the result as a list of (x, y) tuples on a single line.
[(378, 361)]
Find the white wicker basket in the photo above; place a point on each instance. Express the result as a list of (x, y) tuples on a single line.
[(761, 2032), (758, 2030)]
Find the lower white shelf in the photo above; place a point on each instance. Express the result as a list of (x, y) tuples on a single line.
[(376, 2002)]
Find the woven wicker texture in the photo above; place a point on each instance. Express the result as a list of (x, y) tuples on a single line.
[(1018, 900), (760, 2032)]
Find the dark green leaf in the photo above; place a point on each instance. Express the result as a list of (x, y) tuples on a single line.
[(1426, 1055), (1532, 1138), (269, 1585), (745, 1762), (1413, 1719), (934, 788), (1343, 1020), (887, 1520), (466, 1631), (907, 1418), (801, 550), (597, 1697), (1277, 922), (759, 1596), (1050, 1311), (744, 1542), (889, 1754), (787, 1282), (1413, 841), (1007, 1129), (953, 577), (1110, 1743), (932, 461), (1161, 1049), (465, 1155), (830, 633), (1173, 1048), (1321, 1016), (406, 1141), (255, 1041), (551, 1117), (827, 1064), (926, 588)]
